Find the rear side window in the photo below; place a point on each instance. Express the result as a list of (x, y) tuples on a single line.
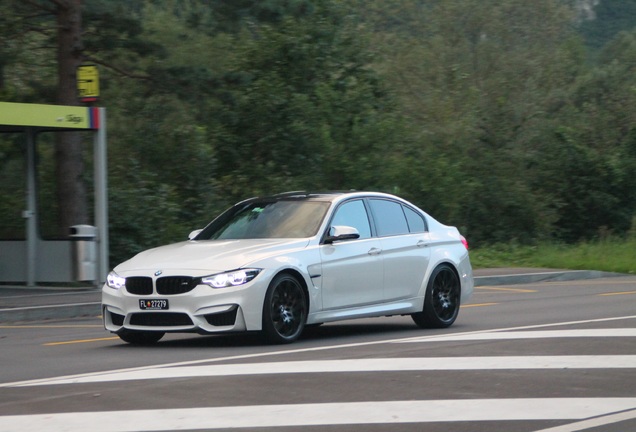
[(389, 217), (416, 221)]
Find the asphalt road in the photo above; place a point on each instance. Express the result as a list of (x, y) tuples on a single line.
[(548, 357)]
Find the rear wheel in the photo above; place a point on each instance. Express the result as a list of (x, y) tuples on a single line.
[(284, 310), (135, 337), (441, 305)]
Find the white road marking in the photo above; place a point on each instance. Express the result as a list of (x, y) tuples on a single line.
[(587, 412), (593, 423), (321, 348), (543, 334), (321, 414), (357, 365)]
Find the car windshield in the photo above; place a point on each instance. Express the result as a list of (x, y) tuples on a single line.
[(267, 219)]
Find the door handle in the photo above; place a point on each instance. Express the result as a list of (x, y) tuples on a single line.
[(422, 243), (375, 251)]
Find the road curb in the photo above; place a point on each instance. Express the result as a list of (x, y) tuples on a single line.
[(49, 312), (552, 276)]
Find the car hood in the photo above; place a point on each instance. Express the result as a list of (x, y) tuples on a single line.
[(208, 256)]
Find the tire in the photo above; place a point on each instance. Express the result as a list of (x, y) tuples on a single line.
[(284, 310), (134, 337), (441, 305)]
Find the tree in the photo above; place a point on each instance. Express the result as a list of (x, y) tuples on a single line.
[(30, 28), (487, 114), (71, 190), (476, 80), (607, 19), (588, 159), (304, 109)]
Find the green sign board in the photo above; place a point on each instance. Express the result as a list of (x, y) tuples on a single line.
[(48, 116)]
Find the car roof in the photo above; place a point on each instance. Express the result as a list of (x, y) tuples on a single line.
[(319, 196)]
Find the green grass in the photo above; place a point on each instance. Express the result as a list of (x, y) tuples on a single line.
[(611, 255)]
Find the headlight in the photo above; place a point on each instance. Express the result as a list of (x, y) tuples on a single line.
[(229, 279), (115, 281)]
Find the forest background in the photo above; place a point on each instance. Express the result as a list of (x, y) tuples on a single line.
[(514, 120)]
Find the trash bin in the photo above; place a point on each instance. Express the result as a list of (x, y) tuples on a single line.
[(84, 252)]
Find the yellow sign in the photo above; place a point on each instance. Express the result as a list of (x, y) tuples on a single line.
[(88, 83), (46, 116)]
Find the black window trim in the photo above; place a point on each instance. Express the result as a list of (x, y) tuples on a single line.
[(402, 206), (417, 212), (364, 199), (372, 217), (395, 202)]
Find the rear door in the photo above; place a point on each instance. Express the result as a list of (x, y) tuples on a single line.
[(404, 241)]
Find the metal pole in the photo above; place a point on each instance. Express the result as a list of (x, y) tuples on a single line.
[(30, 214), (101, 198)]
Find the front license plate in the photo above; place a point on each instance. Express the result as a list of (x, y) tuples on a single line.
[(159, 304)]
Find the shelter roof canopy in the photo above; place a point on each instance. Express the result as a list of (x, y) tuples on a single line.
[(16, 117)]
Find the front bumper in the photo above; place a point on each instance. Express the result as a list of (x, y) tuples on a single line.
[(201, 310)]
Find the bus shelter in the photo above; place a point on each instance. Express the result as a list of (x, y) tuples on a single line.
[(84, 255)]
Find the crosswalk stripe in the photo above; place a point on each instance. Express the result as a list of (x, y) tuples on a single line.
[(356, 365), (503, 333), (593, 423), (391, 412), (542, 334), (585, 412)]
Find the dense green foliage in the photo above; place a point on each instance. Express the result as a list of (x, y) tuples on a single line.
[(609, 17), (511, 119)]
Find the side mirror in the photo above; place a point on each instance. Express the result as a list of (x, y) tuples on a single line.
[(194, 233), (341, 232)]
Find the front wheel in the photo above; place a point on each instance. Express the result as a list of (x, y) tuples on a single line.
[(134, 337), (284, 310), (441, 305)]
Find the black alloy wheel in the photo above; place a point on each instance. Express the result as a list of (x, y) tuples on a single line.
[(441, 305), (284, 310)]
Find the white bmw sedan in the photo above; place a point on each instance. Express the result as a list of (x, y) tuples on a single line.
[(280, 263)]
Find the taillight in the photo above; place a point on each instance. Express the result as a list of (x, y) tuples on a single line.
[(464, 241)]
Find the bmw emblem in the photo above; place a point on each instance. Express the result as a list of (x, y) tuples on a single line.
[(158, 272)]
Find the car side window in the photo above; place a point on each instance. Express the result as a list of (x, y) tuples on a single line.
[(415, 221), (389, 217), (353, 214)]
